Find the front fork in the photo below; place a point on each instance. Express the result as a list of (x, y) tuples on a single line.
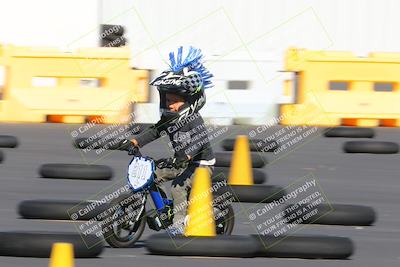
[(157, 199), (142, 207), (160, 218)]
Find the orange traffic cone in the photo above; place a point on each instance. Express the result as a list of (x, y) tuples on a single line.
[(240, 172), (62, 255), (200, 211)]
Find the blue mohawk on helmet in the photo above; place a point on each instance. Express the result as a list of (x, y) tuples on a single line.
[(193, 62)]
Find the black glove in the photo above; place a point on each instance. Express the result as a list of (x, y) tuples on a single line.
[(127, 145), (176, 162)]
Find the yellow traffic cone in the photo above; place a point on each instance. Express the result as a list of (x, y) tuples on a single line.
[(62, 255), (240, 172), (200, 211)]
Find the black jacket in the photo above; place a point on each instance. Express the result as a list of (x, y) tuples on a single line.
[(187, 137)]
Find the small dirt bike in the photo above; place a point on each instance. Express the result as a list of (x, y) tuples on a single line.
[(127, 215)]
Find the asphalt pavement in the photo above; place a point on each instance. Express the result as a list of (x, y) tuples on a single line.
[(359, 179)]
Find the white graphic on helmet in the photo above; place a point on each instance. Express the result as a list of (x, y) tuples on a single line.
[(169, 79), (191, 109)]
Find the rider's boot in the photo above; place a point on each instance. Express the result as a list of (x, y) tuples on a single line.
[(177, 228)]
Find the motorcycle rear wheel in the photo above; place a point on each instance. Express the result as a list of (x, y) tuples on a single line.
[(224, 217)]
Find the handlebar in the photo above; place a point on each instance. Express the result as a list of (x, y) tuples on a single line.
[(161, 163), (135, 151)]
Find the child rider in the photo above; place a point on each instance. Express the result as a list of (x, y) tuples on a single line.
[(181, 89)]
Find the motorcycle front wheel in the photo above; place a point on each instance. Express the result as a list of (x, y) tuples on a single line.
[(125, 220)]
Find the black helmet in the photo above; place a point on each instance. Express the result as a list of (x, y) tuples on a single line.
[(187, 78)]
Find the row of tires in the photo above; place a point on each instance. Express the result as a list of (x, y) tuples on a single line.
[(314, 247), (309, 247), (9, 141), (371, 147), (39, 244), (328, 214), (101, 172), (257, 145), (223, 159), (113, 144)]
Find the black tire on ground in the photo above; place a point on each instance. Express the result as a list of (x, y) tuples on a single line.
[(253, 193), (76, 171), (335, 214), (219, 246), (349, 132), (222, 174), (39, 244), (60, 209), (373, 147), (8, 141), (306, 247), (116, 29), (1, 156), (223, 159), (117, 42), (256, 145)]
